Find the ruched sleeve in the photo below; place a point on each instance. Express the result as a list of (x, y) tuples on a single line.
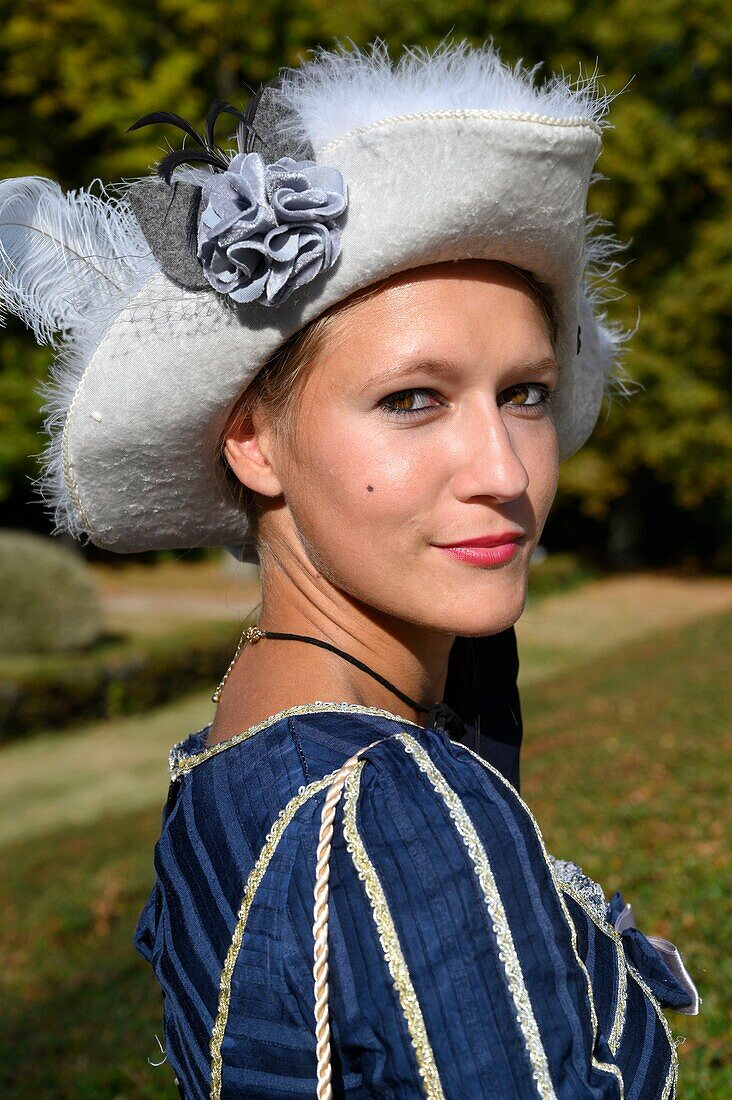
[(454, 963)]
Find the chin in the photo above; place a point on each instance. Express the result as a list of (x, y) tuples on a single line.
[(477, 619), (488, 609), (480, 626), (479, 601)]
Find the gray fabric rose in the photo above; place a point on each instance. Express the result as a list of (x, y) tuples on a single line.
[(268, 229)]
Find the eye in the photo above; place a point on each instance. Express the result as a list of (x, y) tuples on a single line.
[(529, 395), (400, 403)]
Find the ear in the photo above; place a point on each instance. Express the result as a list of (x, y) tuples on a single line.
[(249, 452)]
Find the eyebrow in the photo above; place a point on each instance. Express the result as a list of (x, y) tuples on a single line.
[(440, 367)]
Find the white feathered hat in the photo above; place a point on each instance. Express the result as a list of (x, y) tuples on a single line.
[(166, 299)]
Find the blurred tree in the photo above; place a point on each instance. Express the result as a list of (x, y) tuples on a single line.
[(75, 75), (21, 359)]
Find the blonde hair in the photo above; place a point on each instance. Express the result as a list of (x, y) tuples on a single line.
[(279, 383)]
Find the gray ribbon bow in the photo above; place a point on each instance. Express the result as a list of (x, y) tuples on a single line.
[(670, 981), (267, 229)]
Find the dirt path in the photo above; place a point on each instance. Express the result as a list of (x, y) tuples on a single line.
[(143, 598), (568, 629)]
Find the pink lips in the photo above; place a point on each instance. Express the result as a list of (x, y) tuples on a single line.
[(486, 549)]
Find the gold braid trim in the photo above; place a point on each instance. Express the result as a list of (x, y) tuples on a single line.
[(390, 945), (608, 929), (252, 885), (506, 947), (605, 1067), (179, 763), (673, 1069), (621, 1010)]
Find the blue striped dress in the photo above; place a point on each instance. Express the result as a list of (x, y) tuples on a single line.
[(465, 961)]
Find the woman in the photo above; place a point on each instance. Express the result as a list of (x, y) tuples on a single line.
[(383, 325)]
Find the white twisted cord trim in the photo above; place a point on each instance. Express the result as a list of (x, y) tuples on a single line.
[(320, 924)]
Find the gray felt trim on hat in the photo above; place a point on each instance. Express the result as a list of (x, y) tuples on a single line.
[(169, 216)]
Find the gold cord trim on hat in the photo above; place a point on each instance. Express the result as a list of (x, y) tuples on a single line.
[(252, 885), (180, 763), (605, 1067), (467, 112), (494, 904), (389, 939)]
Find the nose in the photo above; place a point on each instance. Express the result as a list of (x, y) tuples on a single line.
[(488, 460)]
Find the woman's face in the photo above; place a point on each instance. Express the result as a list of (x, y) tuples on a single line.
[(424, 422)]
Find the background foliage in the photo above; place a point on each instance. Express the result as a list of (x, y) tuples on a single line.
[(49, 601), (654, 485)]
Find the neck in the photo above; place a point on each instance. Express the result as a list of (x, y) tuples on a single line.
[(412, 657), (275, 674)]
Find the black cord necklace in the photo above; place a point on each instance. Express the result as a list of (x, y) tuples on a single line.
[(439, 715)]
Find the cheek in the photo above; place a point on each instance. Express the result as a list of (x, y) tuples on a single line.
[(358, 470), (358, 503)]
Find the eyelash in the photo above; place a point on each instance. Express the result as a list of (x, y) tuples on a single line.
[(547, 395)]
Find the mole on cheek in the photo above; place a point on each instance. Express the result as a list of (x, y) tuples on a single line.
[(370, 488)]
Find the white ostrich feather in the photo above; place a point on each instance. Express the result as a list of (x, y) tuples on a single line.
[(342, 90), (599, 287), (65, 257), (69, 263)]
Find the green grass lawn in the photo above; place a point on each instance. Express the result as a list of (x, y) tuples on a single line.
[(624, 766)]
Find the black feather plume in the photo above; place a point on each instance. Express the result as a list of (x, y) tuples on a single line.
[(246, 135), (216, 108), (186, 156), (208, 152), (166, 116)]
